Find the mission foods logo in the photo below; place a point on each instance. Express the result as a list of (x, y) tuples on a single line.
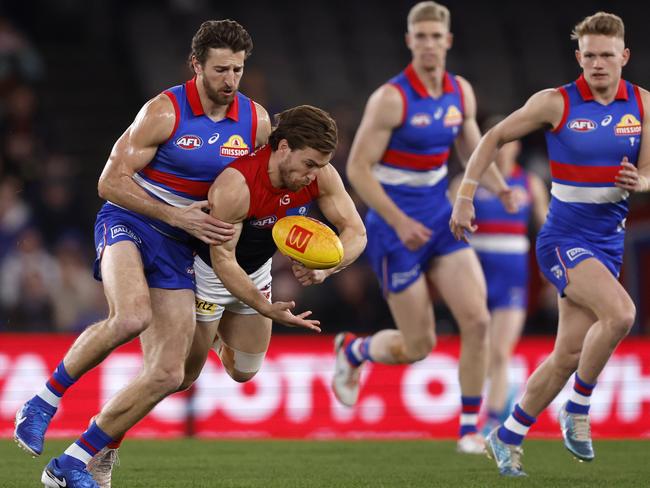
[(629, 125), (189, 142), (582, 125), (453, 117), (234, 147), (298, 238)]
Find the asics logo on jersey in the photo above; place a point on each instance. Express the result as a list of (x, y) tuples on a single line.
[(189, 142), (214, 138), (582, 125), (606, 121), (59, 482)]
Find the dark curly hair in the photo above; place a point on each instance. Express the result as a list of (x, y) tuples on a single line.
[(219, 34), (305, 126)]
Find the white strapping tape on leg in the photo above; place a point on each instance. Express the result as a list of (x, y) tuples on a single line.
[(248, 363), (244, 362)]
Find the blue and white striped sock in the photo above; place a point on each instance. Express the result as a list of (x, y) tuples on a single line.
[(516, 427), (358, 350), (83, 449), (580, 399), (56, 386)]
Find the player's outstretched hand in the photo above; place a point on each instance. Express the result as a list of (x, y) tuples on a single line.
[(281, 312), (461, 219), (412, 233), (628, 177), (195, 221), (307, 276)]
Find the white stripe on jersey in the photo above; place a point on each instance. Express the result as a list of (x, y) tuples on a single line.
[(500, 243), (165, 195), (588, 194), (396, 176)]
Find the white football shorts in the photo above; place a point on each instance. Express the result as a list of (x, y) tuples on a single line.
[(212, 297)]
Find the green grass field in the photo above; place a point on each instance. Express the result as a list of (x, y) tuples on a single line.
[(376, 464)]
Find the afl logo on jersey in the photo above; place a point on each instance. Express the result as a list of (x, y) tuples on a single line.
[(420, 120), (629, 125), (189, 142), (234, 147), (582, 125), (264, 222)]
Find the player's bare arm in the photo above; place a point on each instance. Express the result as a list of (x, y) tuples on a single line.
[(637, 178), (338, 208), (263, 126), (229, 199), (543, 110), (539, 196), (383, 113), (469, 137), (132, 152)]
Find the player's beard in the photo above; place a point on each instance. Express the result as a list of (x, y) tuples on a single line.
[(285, 177), (216, 97)]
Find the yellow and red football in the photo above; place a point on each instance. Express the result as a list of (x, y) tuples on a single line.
[(308, 241)]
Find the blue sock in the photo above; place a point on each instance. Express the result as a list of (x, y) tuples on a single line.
[(83, 449), (56, 386), (493, 416), (470, 407), (580, 399), (516, 427), (358, 350)]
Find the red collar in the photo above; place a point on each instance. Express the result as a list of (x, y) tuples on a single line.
[(418, 86), (587, 95), (193, 98)]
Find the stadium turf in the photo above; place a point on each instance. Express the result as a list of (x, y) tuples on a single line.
[(376, 464)]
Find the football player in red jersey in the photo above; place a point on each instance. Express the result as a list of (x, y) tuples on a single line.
[(282, 178), (233, 307)]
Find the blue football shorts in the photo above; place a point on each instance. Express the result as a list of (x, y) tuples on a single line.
[(558, 253), (396, 266), (168, 262), (506, 276)]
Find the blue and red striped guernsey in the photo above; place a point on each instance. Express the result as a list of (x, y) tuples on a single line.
[(184, 167), (499, 231), (585, 152), (415, 161)]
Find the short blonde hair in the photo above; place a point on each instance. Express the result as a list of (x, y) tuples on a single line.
[(601, 23), (428, 11)]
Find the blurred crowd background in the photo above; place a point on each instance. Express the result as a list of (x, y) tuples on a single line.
[(73, 74)]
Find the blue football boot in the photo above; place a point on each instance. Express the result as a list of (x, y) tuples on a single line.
[(576, 432), (32, 421), (507, 456), (55, 476)]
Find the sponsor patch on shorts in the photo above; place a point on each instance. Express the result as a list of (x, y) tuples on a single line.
[(204, 307), (399, 279), (575, 252), (122, 230)]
